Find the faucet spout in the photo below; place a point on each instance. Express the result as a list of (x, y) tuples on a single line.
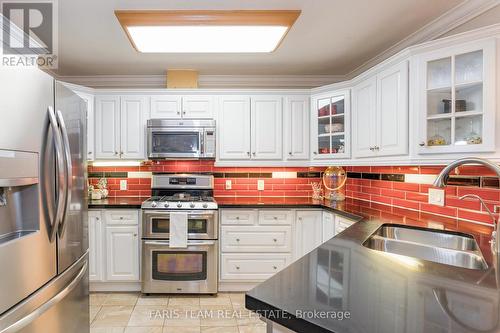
[(442, 180)]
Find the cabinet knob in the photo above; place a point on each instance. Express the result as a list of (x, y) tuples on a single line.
[(237, 267), (315, 152), (116, 153), (275, 240), (237, 217), (178, 112), (290, 153), (253, 153), (121, 217), (248, 153), (97, 219), (90, 153), (183, 112), (135, 235), (300, 218), (421, 144), (372, 149), (237, 239), (274, 267), (377, 148), (275, 217)]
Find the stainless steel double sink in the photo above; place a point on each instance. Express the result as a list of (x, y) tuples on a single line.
[(444, 247)]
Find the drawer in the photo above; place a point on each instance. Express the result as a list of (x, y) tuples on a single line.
[(239, 216), (342, 223), (121, 217), (252, 267), (256, 239), (273, 217)]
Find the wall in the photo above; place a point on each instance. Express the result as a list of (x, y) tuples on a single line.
[(278, 182), (407, 187)]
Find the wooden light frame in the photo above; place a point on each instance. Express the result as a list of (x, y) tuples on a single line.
[(130, 18)]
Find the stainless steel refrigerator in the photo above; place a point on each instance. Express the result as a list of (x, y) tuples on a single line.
[(43, 205)]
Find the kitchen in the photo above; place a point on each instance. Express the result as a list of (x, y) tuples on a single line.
[(222, 167)]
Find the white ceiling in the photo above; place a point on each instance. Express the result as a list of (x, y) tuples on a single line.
[(330, 36)]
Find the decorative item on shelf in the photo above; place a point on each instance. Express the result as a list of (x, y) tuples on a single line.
[(460, 105), (102, 186), (336, 127), (317, 191), (324, 150), (334, 179), (341, 149), (473, 138), (324, 111), (334, 109), (436, 140)]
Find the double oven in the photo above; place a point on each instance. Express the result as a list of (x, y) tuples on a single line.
[(180, 270)]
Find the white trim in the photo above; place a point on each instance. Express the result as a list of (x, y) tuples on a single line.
[(236, 286), (206, 81)]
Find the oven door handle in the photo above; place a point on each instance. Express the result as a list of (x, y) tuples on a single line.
[(190, 242)]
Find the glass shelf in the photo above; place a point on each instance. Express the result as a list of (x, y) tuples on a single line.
[(468, 130), (439, 73), (469, 67)]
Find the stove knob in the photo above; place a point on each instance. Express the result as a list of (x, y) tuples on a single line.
[(154, 204), (191, 205), (166, 204), (205, 205), (179, 205)]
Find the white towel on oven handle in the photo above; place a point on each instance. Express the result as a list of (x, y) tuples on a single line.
[(178, 230)]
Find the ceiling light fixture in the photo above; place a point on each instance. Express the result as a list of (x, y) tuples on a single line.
[(206, 31)]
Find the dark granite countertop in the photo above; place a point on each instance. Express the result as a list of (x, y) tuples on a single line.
[(379, 292), (117, 202)]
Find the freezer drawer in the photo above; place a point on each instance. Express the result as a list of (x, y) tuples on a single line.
[(60, 306)]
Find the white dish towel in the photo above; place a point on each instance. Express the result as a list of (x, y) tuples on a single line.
[(178, 229)]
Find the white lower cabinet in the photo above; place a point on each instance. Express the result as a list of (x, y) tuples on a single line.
[(114, 245), (308, 232), (96, 256), (257, 243)]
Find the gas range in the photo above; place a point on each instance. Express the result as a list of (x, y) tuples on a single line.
[(181, 191)]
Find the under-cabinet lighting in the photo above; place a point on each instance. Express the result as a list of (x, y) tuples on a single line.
[(206, 31), (115, 163)]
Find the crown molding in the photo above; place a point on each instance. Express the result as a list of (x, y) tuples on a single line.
[(453, 18), (206, 81)]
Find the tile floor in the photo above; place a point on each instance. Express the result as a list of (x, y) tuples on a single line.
[(135, 313)]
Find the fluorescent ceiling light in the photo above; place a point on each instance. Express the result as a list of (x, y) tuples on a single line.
[(206, 39), (206, 31)]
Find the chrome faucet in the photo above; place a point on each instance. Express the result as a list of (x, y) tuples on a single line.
[(442, 180)]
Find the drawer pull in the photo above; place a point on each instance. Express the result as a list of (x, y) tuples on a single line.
[(274, 267), (275, 217), (237, 239), (121, 217), (237, 267), (275, 240), (237, 217)]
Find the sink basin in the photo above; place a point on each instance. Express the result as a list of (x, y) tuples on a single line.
[(460, 250), (461, 242)]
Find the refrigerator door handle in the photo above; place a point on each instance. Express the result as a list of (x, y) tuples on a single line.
[(68, 171), (51, 123), (28, 319)]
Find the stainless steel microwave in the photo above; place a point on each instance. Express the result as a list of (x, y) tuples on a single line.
[(176, 139)]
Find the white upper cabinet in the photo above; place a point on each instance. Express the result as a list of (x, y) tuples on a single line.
[(133, 127), (166, 106), (88, 100), (121, 127), (455, 98), (380, 114), (330, 125), (364, 102), (296, 128), (266, 127), (187, 107), (107, 126), (199, 107), (233, 128)]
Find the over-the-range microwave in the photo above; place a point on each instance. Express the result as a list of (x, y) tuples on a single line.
[(181, 139)]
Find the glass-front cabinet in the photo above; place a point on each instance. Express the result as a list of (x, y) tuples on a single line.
[(456, 99), (330, 125)]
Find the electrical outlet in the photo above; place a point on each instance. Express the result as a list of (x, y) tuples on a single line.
[(123, 185), (229, 184), (436, 197), (260, 185)]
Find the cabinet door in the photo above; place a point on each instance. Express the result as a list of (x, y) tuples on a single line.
[(308, 232), (199, 107), (133, 127), (296, 120), (88, 100), (107, 126), (328, 226), (96, 256), (392, 111), (364, 105), (267, 128), (330, 125), (234, 128), (166, 106), (122, 253)]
